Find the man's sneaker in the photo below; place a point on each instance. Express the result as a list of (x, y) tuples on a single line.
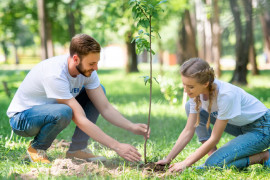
[(37, 155), (85, 154), (267, 163)]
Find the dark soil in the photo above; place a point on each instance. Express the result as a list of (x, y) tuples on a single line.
[(151, 166)]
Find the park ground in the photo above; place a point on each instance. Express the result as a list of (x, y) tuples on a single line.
[(131, 97)]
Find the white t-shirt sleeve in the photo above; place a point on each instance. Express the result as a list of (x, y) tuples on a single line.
[(92, 82), (192, 106), (229, 105), (57, 88)]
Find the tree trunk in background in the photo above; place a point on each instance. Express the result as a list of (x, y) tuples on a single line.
[(144, 56), (42, 28), (252, 57), (265, 21), (17, 59), (208, 34), (216, 30), (49, 40), (200, 15), (71, 20), (160, 55), (132, 62), (242, 45), (252, 52), (5, 50), (186, 40)]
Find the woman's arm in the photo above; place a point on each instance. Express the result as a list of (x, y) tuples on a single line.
[(217, 131), (183, 139)]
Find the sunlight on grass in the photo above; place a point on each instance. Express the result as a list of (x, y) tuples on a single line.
[(130, 96)]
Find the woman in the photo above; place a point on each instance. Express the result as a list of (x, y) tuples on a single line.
[(230, 109)]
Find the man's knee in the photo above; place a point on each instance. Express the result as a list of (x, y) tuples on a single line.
[(64, 115)]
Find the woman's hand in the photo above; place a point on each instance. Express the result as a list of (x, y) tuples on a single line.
[(178, 167)]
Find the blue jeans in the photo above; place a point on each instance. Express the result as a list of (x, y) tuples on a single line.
[(250, 139), (45, 122)]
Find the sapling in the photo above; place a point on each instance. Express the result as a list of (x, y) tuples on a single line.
[(145, 11)]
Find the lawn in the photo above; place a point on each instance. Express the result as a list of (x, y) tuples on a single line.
[(131, 97)]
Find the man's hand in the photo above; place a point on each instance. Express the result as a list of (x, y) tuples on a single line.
[(140, 129), (163, 162), (128, 152), (178, 167)]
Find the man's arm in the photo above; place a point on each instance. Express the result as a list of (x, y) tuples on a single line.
[(124, 150), (102, 104)]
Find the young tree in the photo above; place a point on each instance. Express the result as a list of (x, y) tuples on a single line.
[(145, 11)]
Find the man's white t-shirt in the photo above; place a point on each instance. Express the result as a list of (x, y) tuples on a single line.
[(47, 81), (232, 103)]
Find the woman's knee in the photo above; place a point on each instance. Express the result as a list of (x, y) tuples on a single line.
[(213, 161)]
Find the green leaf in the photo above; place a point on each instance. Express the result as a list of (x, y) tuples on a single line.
[(163, 1), (159, 35), (156, 79), (140, 31), (147, 34), (146, 79)]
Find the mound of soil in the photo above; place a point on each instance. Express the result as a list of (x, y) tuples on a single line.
[(151, 166)]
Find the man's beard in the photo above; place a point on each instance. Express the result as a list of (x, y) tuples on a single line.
[(82, 71)]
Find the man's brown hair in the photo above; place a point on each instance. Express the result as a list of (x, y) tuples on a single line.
[(82, 45)]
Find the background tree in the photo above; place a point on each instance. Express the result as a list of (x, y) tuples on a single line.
[(243, 40), (16, 25), (265, 21), (117, 24), (216, 30)]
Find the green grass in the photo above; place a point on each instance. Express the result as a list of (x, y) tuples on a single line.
[(131, 97)]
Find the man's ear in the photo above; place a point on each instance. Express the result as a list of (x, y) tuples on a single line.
[(76, 59)]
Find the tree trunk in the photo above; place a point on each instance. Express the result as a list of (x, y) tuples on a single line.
[(216, 30), (71, 20), (132, 62), (161, 60), (50, 48), (252, 52), (242, 46), (144, 56), (208, 34), (42, 28), (200, 16), (252, 57), (186, 40), (5, 50), (17, 59), (265, 21)]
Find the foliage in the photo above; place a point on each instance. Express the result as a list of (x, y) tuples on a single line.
[(146, 12), (171, 88), (17, 22)]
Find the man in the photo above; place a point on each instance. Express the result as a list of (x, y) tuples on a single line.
[(63, 88)]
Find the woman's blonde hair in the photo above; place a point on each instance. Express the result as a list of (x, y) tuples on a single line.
[(203, 73)]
